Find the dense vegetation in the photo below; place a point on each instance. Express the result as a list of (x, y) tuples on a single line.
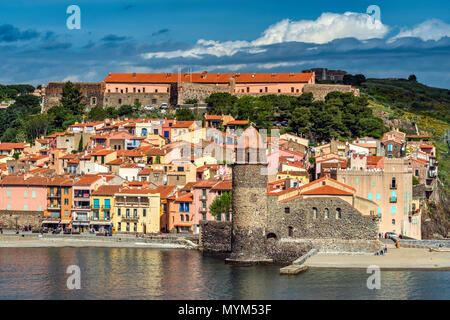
[(11, 91), (340, 116), (410, 95)]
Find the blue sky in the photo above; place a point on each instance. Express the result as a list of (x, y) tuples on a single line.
[(247, 36)]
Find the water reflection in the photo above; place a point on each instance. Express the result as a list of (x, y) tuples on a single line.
[(139, 273)]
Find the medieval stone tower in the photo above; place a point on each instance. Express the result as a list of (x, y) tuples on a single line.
[(249, 203)]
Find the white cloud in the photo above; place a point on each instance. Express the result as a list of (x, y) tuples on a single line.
[(433, 29), (327, 27)]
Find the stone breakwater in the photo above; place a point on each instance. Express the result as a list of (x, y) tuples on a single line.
[(36, 240)]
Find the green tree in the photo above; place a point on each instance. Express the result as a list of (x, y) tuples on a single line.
[(80, 144), (97, 114), (72, 98), (221, 204), (221, 102), (36, 126), (184, 114)]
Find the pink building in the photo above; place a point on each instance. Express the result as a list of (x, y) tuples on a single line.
[(204, 193), (18, 193)]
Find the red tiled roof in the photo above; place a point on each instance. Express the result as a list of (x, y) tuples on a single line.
[(183, 124), (20, 180), (238, 122), (106, 190), (188, 197), (212, 117), (223, 185), (208, 77), (87, 180), (326, 190), (11, 145)]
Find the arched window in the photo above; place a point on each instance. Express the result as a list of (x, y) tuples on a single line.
[(338, 213), (394, 184), (327, 213), (187, 218), (272, 236), (314, 213), (290, 231), (182, 217)]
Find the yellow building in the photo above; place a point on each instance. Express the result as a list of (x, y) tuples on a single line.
[(102, 204), (137, 211), (297, 178)]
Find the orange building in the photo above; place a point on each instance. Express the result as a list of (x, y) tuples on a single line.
[(59, 203)]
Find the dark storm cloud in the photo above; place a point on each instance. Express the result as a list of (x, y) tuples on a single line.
[(9, 33)]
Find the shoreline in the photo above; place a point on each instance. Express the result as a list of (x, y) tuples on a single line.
[(402, 259), (64, 241), (412, 259)]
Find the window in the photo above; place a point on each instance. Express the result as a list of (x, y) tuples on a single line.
[(379, 212), (389, 147), (374, 184), (393, 184), (8, 207), (327, 213), (144, 212), (338, 213), (393, 209), (393, 221), (25, 194), (66, 190), (204, 216), (219, 217), (135, 213), (128, 214), (357, 180), (107, 204), (186, 207), (119, 226), (378, 196), (227, 217), (181, 207), (135, 227), (33, 194), (287, 210), (416, 173), (25, 207), (66, 201), (369, 196), (39, 208), (96, 203), (393, 196), (290, 231), (118, 213), (182, 217), (187, 217), (8, 193), (314, 213), (128, 226), (66, 213)]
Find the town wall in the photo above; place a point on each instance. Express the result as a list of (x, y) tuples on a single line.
[(114, 99), (92, 94), (320, 91), (9, 218)]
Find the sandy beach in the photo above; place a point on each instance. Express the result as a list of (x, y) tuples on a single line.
[(395, 259)]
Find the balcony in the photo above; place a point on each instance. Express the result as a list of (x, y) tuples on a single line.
[(81, 207), (55, 215), (57, 195), (393, 200), (54, 207), (131, 218), (393, 186), (202, 197)]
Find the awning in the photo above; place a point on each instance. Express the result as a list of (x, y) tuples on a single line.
[(50, 222), (80, 223), (101, 223), (66, 221)]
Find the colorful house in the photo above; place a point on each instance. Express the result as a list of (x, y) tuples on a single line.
[(102, 204), (137, 211)]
